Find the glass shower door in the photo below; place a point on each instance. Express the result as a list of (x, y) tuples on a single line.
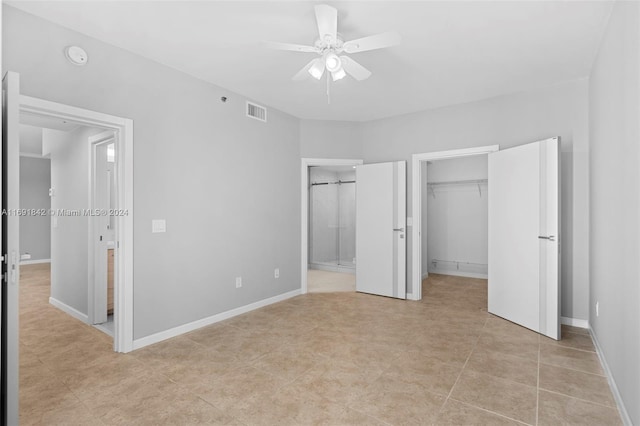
[(331, 219)]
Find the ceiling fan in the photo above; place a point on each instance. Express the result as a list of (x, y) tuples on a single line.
[(330, 47)]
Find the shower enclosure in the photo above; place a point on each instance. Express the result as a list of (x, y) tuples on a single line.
[(332, 230)]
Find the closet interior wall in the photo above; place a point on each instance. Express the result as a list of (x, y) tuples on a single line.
[(455, 208)]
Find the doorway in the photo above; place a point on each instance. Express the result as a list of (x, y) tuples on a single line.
[(419, 202), (122, 190), (455, 217), (332, 237), (328, 224), (103, 229)]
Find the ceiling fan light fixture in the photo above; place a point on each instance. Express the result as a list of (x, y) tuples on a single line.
[(317, 69), (333, 62), (338, 75)]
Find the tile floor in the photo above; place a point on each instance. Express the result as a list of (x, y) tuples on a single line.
[(324, 358), (328, 282)]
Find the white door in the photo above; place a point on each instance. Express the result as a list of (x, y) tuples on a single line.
[(10, 175), (101, 231), (381, 199), (524, 236)]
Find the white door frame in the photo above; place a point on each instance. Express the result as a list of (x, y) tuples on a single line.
[(97, 299), (416, 200), (304, 208), (123, 276)]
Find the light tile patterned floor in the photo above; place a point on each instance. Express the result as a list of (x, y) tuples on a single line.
[(327, 282), (325, 358)]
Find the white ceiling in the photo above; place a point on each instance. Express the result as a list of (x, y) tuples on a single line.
[(452, 52)]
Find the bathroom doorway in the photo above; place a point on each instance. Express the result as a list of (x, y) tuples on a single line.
[(328, 225), (332, 238)]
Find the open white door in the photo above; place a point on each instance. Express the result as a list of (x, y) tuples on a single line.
[(100, 229), (10, 247), (381, 205), (524, 236)]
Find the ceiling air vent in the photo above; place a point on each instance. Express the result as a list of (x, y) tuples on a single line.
[(257, 112)]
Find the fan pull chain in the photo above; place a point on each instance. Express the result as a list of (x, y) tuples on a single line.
[(328, 90)]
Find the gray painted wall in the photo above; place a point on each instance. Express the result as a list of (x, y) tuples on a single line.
[(508, 121), (330, 139), (69, 234), (614, 90), (35, 231), (227, 185)]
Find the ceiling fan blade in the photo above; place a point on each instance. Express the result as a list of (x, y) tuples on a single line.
[(327, 18), (354, 69), (377, 41), (290, 46), (304, 73)]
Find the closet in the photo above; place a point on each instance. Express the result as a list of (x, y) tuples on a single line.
[(455, 212)]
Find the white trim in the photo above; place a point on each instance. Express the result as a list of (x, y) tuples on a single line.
[(574, 322), (612, 383), (185, 328), (31, 155), (416, 199), (104, 329), (304, 208), (34, 261), (332, 268), (69, 310), (123, 274), (455, 273), (410, 296)]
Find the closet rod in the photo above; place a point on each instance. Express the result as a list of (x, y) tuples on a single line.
[(340, 182), (458, 182)]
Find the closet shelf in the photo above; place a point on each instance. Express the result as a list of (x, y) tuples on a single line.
[(477, 182)]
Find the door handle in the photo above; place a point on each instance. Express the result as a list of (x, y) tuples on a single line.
[(550, 237), (399, 229)]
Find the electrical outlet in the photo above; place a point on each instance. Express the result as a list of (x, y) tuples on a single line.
[(238, 282), (276, 273), (597, 309)]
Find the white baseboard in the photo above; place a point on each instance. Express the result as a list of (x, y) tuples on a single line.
[(185, 328), (575, 322), (333, 268), (69, 310), (34, 261), (460, 274), (612, 383)]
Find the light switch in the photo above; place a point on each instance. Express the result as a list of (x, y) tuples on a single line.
[(158, 225)]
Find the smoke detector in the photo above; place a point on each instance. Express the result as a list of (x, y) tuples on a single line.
[(76, 55)]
